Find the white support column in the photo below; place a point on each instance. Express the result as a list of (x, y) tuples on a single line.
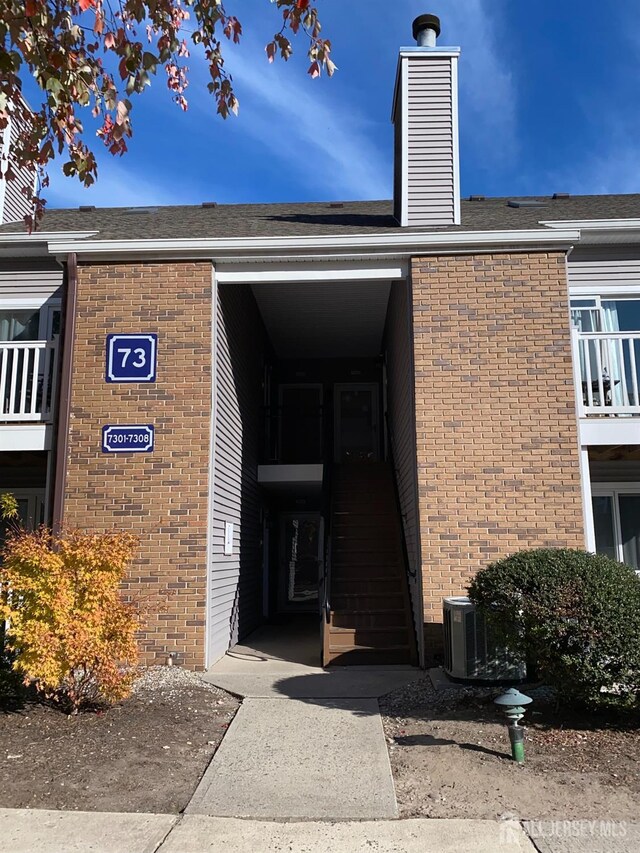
[(587, 506)]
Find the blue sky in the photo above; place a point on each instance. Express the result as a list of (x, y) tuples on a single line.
[(549, 102)]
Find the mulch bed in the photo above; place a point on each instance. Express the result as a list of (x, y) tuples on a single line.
[(450, 756), (146, 754)]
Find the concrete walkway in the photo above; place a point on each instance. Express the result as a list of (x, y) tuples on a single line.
[(300, 759), (306, 743)]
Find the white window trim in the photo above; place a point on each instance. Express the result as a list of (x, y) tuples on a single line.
[(31, 302)]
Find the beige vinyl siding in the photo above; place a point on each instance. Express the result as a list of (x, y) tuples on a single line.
[(401, 416), (235, 585), (611, 267), (430, 191), (30, 278)]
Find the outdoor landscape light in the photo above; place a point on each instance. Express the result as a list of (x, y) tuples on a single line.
[(513, 702)]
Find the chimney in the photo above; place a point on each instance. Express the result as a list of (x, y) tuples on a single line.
[(425, 117)]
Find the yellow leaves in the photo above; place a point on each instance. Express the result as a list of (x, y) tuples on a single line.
[(70, 630)]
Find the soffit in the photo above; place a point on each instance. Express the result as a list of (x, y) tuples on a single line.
[(324, 320)]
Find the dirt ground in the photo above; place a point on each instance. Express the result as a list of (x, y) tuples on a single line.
[(450, 756), (146, 754)]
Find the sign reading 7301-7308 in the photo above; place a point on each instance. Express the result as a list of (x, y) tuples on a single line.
[(131, 358)]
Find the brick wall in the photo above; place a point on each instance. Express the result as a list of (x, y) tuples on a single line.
[(161, 496), (497, 440)]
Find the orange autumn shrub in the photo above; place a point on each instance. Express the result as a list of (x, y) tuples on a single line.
[(69, 631)]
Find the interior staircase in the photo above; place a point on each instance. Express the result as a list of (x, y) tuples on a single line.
[(370, 615)]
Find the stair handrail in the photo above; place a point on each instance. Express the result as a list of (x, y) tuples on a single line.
[(412, 572), (326, 555)]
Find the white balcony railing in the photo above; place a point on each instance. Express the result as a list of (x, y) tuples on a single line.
[(28, 373), (606, 372)]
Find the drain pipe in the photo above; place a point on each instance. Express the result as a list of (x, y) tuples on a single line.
[(64, 397)]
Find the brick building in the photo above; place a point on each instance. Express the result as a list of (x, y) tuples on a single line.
[(335, 409)]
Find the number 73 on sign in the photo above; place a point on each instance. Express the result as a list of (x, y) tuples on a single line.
[(131, 358)]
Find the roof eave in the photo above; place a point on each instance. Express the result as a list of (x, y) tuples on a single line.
[(400, 244)]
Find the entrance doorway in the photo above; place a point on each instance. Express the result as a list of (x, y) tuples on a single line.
[(356, 425), (300, 561)]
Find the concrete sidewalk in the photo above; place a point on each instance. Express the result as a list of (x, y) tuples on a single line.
[(38, 831), (33, 831)]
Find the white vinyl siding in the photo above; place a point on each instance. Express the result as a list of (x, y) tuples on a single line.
[(600, 270), (15, 205), (427, 144), (33, 280)]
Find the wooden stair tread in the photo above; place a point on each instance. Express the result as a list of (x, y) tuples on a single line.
[(403, 647)]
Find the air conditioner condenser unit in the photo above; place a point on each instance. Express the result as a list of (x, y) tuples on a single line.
[(470, 652)]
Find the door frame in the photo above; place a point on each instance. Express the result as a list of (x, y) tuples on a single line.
[(613, 490), (375, 406)]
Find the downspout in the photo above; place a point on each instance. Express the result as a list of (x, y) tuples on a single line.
[(64, 400)]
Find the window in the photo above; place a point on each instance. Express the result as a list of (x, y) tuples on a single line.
[(30, 324), (614, 358), (19, 324), (616, 521)]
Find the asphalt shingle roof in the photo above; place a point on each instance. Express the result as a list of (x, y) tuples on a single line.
[(318, 219)]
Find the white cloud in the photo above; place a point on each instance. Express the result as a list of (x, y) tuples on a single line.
[(488, 94), (117, 186), (319, 143)]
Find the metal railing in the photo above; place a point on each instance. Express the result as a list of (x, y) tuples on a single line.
[(606, 372), (28, 378), (325, 581)]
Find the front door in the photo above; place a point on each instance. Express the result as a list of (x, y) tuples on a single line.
[(356, 423)]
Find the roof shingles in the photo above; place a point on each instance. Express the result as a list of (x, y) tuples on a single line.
[(317, 219)]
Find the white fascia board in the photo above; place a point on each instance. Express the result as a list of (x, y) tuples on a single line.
[(602, 232), (328, 247), (28, 437), (609, 431), (592, 224), (43, 236), (310, 271), (21, 245)]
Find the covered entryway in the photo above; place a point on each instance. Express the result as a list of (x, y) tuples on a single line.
[(314, 469)]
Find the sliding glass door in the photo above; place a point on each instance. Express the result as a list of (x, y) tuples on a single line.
[(616, 355), (616, 519)]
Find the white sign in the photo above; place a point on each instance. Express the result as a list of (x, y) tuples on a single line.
[(228, 538)]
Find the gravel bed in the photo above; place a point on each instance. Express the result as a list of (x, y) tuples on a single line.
[(171, 682)]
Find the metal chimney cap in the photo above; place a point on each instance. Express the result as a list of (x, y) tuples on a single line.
[(426, 22)]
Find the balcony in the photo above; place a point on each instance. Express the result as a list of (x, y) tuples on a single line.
[(606, 373), (28, 378)]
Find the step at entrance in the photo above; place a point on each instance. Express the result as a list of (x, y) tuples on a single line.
[(370, 617)]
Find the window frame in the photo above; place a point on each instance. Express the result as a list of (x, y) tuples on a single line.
[(613, 490)]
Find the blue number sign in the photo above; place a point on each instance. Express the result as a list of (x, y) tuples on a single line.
[(131, 358), (127, 438)]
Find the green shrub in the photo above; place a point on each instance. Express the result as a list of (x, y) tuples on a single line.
[(575, 615)]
